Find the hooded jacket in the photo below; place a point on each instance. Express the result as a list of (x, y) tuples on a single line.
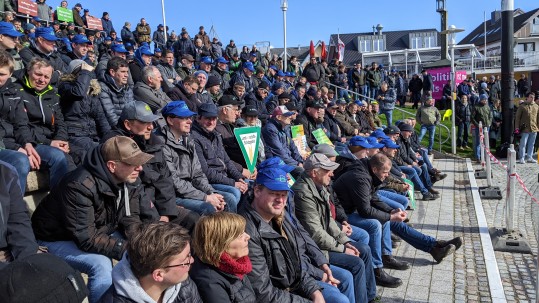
[(155, 98), (278, 142), (79, 100), (126, 288), (45, 117), (214, 161), (356, 190), (182, 160), (14, 130), (31, 52), (114, 98), (88, 207)]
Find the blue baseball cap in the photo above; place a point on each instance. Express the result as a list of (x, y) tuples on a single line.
[(108, 38), (248, 65), (360, 141), (145, 50), (157, 50), (46, 33), (359, 103), (388, 143), (280, 73), (7, 29), (118, 39), (178, 109), (483, 97), (81, 39), (36, 19), (207, 110), (206, 60), (379, 134), (119, 48), (273, 178), (374, 142), (290, 74), (222, 60), (275, 162), (274, 68)]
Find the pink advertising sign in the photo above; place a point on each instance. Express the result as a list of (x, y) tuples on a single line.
[(440, 77)]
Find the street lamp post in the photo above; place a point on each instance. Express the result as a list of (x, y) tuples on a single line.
[(284, 7), (452, 33), (164, 21)]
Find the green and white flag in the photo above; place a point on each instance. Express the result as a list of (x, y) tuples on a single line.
[(249, 139)]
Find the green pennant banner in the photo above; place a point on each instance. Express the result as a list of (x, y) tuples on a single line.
[(248, 138), (411, 195)]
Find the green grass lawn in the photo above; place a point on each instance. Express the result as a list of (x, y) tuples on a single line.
[(445, 135)]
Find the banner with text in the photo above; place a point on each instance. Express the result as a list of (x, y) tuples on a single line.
[(248, 138), (27, 7), (440, 76), (94, 23), (64, 14), (298, 136)]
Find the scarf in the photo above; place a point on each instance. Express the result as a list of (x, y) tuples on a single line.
[(239, 267)]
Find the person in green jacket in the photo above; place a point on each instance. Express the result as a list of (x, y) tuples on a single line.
[(526, 121), (480, 113), (428, 116)]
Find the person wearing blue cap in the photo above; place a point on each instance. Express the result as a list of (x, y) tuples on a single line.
[(8, 41), (220, 70), (428, 117), (44, 47), (275, 237), (158, 37), (143, 58), (222, 173), (206, 64), (115, 91), (79, 46), (244, 76)]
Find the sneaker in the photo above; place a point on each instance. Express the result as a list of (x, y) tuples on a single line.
[(439, 253), (428, 197), (521, 161), (531, 160), (441, 176), (430, 153), (392, 263), (455, 241)]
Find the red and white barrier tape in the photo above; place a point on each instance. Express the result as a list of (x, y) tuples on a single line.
[(525, 188)]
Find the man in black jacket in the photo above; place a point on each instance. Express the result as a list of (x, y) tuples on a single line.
[(86, 220), (137, 122), (312, 119), (356, 190)]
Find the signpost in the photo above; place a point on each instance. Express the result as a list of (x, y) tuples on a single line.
[(64, 14), (94, 23), (249, 139)]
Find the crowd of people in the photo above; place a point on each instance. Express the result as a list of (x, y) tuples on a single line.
[(144, 166)]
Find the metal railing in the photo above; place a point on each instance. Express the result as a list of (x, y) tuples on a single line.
[(521, 59), (404, 114)]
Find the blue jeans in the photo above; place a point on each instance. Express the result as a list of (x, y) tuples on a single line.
[(54, 160), (425, 157), (423, 131), (361, 268), (374, 228), (413, 237), (366, 91), (231, 194), (389, 115), (20, 162), (359, 235), (344, 292), (393, 199), (205, 208), (477, 145), (98, 267), (411, 174), (527, 143)]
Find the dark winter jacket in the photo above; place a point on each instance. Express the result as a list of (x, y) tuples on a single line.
[(332, 125), (415, 85), (88, 207), (45, 117), (257, 101), (107, 26), (182, 160), (388, 103), (217, 286), (114, 98), (83, 113), (214, 161), (183, 47), (231, 145), (463, 113), (309, 125), (14, 129), (356, 190), (178, 92), (278, 142), (54, 58), (240, 77), (428, 85), (314, 73), (16, 236), (279, 264), (155, 98), (127, 36)]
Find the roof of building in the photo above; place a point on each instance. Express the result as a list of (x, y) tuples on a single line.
[(493, 29), (395, 40), (301, 52)]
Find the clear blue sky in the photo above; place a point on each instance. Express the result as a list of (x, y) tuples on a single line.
[(262, 20)]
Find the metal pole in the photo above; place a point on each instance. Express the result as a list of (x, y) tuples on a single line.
[(406, 63), (481, 149), (507, 72), (284, 7), (511, 180), (484, 40), (164, 20), (453, 83), (487, 157)]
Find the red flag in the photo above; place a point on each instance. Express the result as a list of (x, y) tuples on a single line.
[(311, 49), (340, 46), (324, 52)]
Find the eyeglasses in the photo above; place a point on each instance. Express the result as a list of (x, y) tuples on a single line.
[(187, 264)]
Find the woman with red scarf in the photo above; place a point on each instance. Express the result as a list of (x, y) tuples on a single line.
[(222, 259)]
